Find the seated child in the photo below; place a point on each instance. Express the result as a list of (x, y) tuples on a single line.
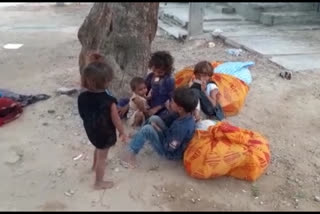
[(138, 106), (160, 85), (207, 92), (160, 82), (168, 138)]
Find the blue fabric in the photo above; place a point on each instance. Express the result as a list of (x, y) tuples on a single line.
[(161, 91), (177, 137), (170, 142), (123, 102), (237, 69)]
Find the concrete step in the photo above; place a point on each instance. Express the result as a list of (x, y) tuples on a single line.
[(173, 30), (253, 11), (180, 16), (278, 18)]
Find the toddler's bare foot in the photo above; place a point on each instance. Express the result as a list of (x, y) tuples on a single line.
[(103, 185), (128, 160)]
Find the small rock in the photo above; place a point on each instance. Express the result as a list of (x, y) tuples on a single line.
[(59, 117), (296, 200), (261, 202), (163, 190), (172, 196), (76, 134), (51, 111), (116, 170), (13, 157), (45, 124), (193, 200), (286, 75), (158, 195), (256, 198), (199, 199), (66, 91), (69, 193), (317, 198), (191, 189), (211, 44), (77, 157), (244, 191)]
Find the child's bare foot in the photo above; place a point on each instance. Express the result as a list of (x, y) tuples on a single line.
[(132, 134), (128, 160), (103, 185)]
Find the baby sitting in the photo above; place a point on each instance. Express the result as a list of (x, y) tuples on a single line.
[(138, 106)]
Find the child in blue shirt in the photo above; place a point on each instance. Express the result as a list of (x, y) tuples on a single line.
[(160, 82), (169, 138), (160, 85)]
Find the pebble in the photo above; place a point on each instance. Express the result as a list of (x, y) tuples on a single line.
[(211, 44), (172, 196), (59, 118), (163, 189), (191, 190), (244, 191), (13, 157), (199, 199), (45, 124), (51, 111), (66, 91), (116, 170), (193, 200), (317, 198), (261, 202), (69, 193)]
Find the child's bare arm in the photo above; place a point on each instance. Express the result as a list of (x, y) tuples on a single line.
[(117, 121), (213, 96)]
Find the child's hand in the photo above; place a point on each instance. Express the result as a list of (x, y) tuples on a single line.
[(124, 138), (149, 95), (152, 111)]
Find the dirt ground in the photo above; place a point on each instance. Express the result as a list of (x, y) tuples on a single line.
[(37, 150)]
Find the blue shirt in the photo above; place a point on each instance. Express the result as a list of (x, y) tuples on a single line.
[(161, 90), (178, 136)]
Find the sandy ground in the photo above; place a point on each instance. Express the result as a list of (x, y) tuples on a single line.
[(37, 150)]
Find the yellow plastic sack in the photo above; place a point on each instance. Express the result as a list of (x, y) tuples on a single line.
[(227, 150), (232, 91)]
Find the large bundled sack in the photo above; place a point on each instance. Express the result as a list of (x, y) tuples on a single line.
[(232, 93), (232, 90), (224, 149)]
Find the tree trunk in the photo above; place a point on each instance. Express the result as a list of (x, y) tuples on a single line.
[(123, 33)]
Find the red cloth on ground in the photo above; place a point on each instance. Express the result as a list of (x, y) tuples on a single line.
[(9, 110)]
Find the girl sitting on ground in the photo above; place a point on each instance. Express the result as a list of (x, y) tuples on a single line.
[(138, 106), (160, 84), (207, 92)]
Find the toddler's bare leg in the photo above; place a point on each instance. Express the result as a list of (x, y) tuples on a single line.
[(138, 119), (94, 160), (100, 170)]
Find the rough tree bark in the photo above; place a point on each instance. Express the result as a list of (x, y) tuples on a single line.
[(123, 32)]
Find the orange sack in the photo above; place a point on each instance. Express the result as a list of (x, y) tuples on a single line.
[(232, 91), (227, 150)]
